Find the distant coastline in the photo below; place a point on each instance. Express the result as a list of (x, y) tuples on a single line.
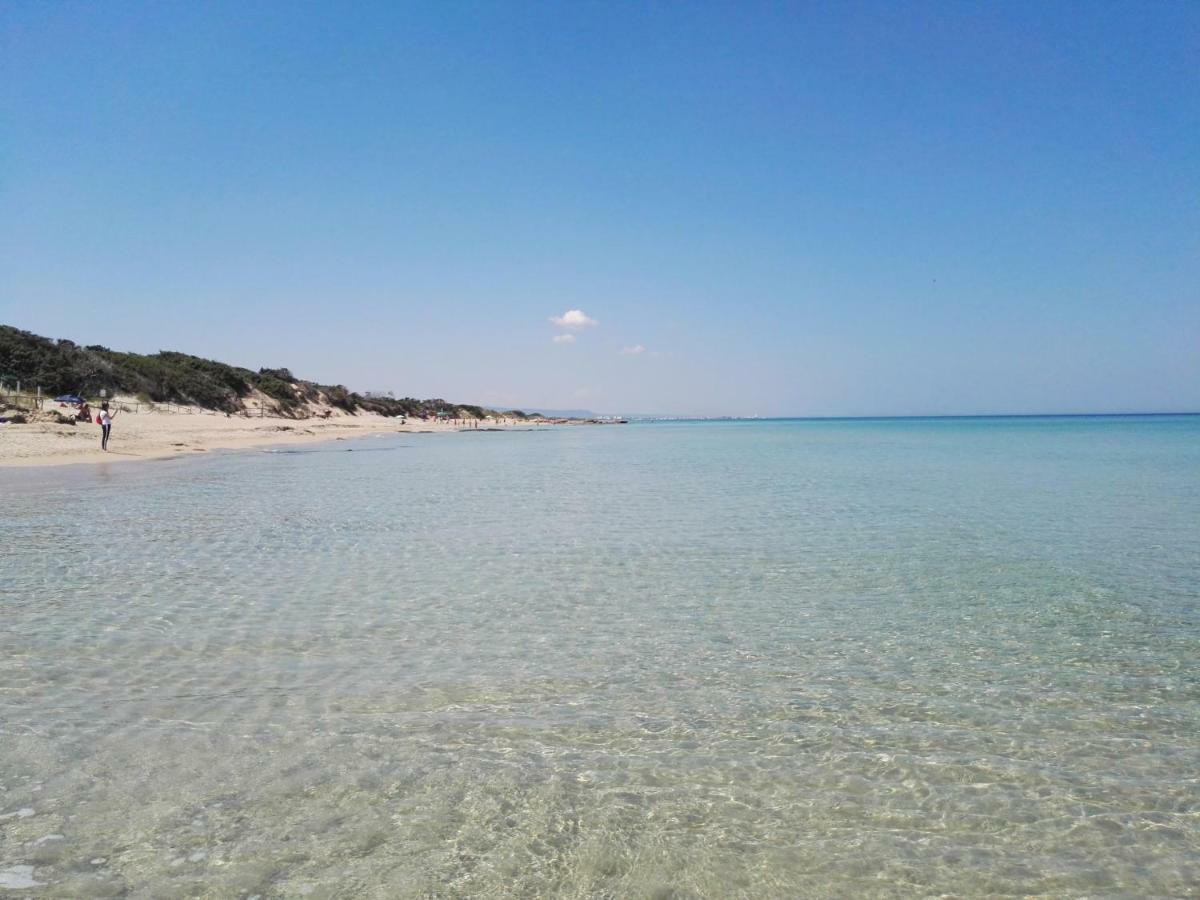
[(168, 405)]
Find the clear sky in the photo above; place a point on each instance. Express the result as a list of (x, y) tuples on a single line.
[(773, 209)]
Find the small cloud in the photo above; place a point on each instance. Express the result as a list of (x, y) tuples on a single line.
[(635, 350), (563, 339), (574, 319)]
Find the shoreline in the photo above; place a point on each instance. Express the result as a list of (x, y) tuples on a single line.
[(157, 436)]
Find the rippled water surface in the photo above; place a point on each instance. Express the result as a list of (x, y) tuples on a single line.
[(805, 659)]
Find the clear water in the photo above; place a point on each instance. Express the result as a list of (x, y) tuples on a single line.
[(777, 659)]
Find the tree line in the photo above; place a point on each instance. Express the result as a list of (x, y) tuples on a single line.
[(64, 367)]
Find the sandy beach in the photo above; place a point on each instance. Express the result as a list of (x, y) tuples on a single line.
[(186, 431)]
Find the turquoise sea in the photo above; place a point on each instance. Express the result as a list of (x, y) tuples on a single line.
[(871, 658)]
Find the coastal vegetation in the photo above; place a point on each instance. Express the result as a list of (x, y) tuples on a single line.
[(65, 367)]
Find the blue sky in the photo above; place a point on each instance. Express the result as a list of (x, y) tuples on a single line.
[(793, 209)]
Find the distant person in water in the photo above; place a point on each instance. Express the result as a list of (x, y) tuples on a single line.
[(105, 418)]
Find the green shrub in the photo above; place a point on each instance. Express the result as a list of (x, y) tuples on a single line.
[(341, 398), (62, 366)]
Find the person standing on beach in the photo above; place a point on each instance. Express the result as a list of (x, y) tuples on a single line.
[(105, 419)]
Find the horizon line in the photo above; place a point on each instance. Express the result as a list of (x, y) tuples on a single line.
[(1037, 415)]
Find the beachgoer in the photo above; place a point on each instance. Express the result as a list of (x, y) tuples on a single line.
[(106, 418), (85, 413)]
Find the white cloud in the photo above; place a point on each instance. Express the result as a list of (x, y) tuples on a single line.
[(563, 339), (574, 319), (635, 350)]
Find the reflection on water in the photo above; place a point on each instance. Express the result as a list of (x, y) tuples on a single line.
[(758, 660)]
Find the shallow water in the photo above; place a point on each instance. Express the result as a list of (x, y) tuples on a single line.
[(776, 659)]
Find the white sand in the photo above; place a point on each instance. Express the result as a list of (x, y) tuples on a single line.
[(159, 434)]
